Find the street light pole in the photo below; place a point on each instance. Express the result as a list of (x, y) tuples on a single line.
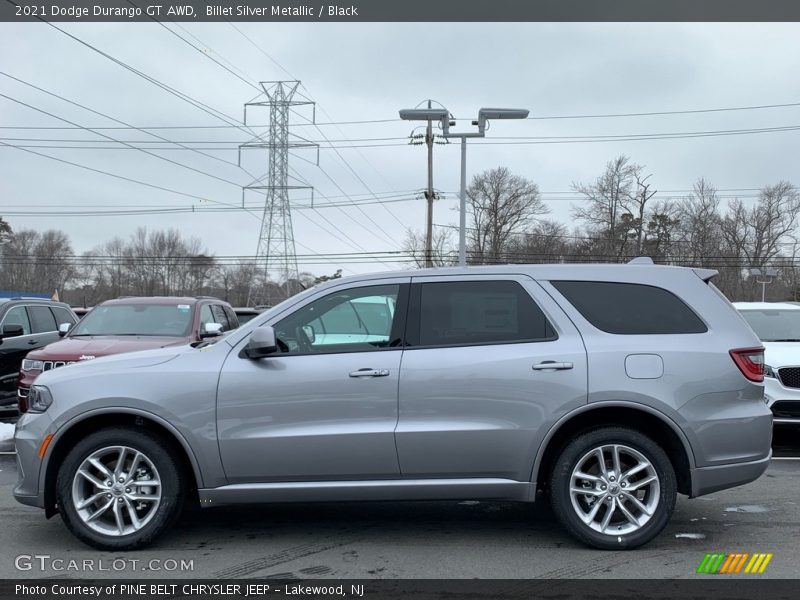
[(435, 114), (462, 207)]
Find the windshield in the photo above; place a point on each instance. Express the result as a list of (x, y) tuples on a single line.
[(137, 319), (774, 325)]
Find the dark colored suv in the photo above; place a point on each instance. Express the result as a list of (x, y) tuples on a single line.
[(126, 325), (26, 324)]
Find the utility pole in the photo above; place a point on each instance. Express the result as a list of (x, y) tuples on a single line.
[(276, 248), (443, 115), (429, 196), (430, 115)]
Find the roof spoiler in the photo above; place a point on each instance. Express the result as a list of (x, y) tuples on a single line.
[(706, 274)]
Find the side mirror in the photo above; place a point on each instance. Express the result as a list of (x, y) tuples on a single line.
[(211, 330), (261, 343), (310, 333), (63, 329), (12, 330)]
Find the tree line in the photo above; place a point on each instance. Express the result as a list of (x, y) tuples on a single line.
[(621, 217), (160, 263)]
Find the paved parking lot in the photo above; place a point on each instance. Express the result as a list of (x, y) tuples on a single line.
[(425, 540)]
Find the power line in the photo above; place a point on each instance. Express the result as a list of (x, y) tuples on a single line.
[(321, 132), (397, 120), (182, 127), (100, 171), (213, 112), (145, 151), (665, 112), (336, 145)]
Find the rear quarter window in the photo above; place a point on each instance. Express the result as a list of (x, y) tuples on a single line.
[(630, 308)]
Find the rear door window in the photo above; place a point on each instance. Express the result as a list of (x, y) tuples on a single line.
[(458, 313), (630, 308), (42, 320)]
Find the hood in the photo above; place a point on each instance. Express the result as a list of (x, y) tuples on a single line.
[(86, 348), (782, 354), (132, 360)]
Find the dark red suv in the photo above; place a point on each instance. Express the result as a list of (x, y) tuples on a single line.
[(127, 325)]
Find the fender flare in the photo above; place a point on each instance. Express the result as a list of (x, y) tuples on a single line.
[(76, 420), (610, 404)]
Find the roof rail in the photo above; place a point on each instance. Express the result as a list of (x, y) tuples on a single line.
[(206, 298), (641, 260), (31, 298)]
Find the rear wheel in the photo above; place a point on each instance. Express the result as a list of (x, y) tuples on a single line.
[(613, 488), (119, 488)]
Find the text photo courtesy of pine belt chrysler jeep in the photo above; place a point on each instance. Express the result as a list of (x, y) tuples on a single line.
[(608, 388), (127, 324)]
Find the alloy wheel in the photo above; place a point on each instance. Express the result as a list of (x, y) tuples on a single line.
[(614, 489), (116, 490)]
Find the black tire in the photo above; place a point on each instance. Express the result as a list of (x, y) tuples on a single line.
[(561, 498), (160, 453)]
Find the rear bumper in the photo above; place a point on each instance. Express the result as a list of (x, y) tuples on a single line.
[(706, 480)]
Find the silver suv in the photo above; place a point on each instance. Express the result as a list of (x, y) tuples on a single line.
[(609, 388)]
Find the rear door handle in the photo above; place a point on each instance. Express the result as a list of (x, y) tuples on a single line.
[(551, 365), (32, 342), (370, 373)]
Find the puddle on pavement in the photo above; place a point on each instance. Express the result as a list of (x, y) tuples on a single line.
[(747, 508), (691, 536)]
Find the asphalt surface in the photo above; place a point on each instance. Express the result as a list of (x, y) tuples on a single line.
[(419, 540)]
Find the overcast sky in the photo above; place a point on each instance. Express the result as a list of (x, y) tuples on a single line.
[(366, 72)]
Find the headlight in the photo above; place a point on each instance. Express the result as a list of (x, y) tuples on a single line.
[(39, 399), (32, 365), (770, 372)]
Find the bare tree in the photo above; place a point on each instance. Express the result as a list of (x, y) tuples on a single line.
[(760, 231), (442, 249), (637, 206), (605, 211), (661, 229), (37, 262), (147, 264), (757, 234), (546, 241), (501, 205), (700, 229)]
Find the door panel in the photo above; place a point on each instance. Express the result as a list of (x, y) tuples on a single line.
[(325, 408), (303, 418), (483, 410), (13, 350)]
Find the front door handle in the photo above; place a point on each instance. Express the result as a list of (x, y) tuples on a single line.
[(551, 365), (32, 342), (370, 373)]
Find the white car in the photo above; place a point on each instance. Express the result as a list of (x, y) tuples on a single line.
[(777, 324)]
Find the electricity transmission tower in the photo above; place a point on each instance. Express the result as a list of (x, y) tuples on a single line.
[(276, 257)]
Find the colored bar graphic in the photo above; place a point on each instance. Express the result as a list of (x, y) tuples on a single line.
[(732, 563)]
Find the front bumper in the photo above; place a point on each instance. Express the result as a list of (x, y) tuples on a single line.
[(706, 480), (784, 402), (31, 430)]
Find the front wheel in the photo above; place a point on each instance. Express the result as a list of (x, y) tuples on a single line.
[(119, 488), (613, 488)]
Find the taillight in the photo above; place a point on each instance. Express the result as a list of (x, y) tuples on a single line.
[(750, 362)]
